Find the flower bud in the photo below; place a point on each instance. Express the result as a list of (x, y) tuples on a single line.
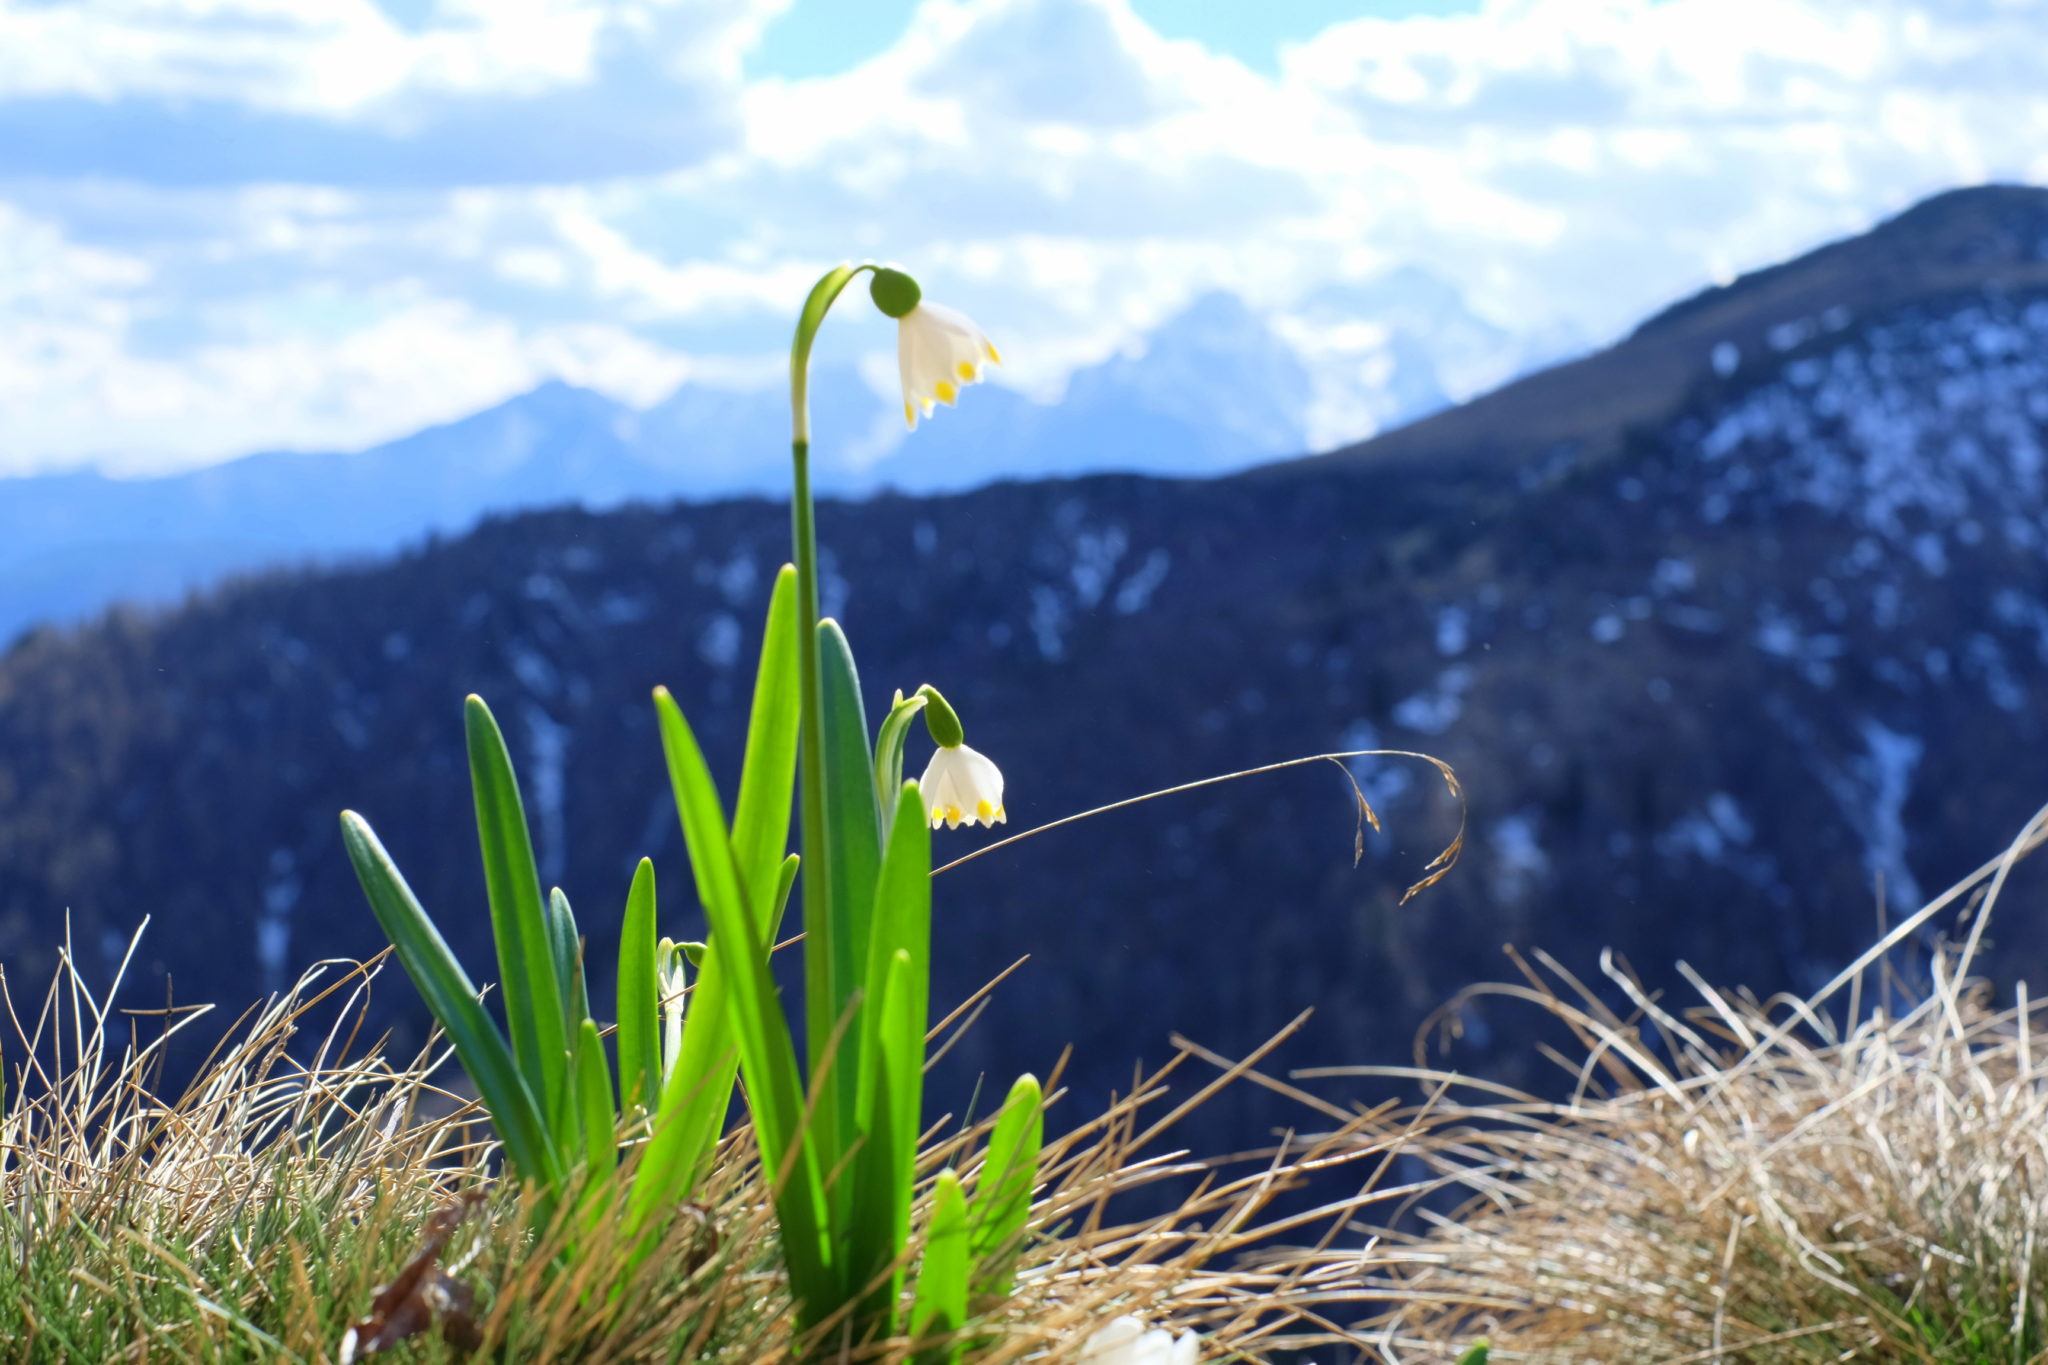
[(894, 292), (941, 720)]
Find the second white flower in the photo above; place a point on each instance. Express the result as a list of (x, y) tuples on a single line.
[(961, 786)]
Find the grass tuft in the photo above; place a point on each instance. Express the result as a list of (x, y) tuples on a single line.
[(255, 1216), (1857, 1175)]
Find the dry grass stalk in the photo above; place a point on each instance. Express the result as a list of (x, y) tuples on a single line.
[(252, 1218), (1742, 1181)]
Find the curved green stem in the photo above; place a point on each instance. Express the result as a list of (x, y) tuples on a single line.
[(823, 295), (821, 1011)]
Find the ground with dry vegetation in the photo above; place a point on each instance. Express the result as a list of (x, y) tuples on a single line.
[(1859, 1175), (314, 1210)]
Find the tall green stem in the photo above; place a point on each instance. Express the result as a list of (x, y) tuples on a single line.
[(819, 1011), (822, 1007)]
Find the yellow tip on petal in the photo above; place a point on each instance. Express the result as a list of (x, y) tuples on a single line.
[(985, 813), (990, 347), (966, 372), (1001, 818), (910, 416), (952, 817), (946, 392), (938, 816)]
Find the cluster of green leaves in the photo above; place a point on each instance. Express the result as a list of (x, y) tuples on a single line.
[(840, 1137)]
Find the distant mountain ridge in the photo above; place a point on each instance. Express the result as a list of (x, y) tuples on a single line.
[(1214, 390), (1719, 647)]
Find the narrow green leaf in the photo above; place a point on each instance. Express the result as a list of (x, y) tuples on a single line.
[(567, 947), (594, 1100), (739, 953), (1002, 1193), (889, 755), (877, 1229), (940, 1308), (526, 967), (671, 982), (760, 818), (902, 922), (700, 1059), (785, 879), (853, 847), (453, 1000), (693, 1108), (639, 1036), (1476, 1355), (565, 952)]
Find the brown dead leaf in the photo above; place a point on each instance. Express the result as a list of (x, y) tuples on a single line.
[(420, 1295)]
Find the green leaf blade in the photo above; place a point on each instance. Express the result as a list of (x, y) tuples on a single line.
[(767, 1053), (566, 946), (836, 951), (1002, 1193), (940, 1308), (527, 972), (760, 821), (595, 1106), (639, 1004), (452, 998), (877, 1228)]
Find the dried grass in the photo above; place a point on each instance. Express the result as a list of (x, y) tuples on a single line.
[(1857, 1175), (1840, 1177), (253, 1217)]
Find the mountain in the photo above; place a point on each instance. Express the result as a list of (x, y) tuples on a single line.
[(1735, 634), (73, 543), (1213, 390)]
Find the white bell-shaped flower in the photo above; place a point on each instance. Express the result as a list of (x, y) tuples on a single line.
[(960, 786), (1127, 1341), (938, 351)]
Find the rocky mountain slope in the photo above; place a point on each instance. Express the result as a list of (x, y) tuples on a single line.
[(1723, 629)]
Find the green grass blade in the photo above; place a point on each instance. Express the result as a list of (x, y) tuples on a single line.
[(739, 952), (853, 847), (1477, 1355), (639, 1037), (594, 1103), (526, 966), (1002, 1193), (940, 1308), (453, 1000)]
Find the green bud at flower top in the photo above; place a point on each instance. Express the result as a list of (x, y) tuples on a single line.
[(694, 952), (894, 292), (941, 720)]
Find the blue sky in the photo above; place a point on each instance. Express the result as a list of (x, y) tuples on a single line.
[(823, 37), (230, 225)]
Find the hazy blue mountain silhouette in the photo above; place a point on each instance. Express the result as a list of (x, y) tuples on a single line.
[(1211, 391)]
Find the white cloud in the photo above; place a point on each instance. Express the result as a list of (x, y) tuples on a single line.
[(349, 58), (298, 222)]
